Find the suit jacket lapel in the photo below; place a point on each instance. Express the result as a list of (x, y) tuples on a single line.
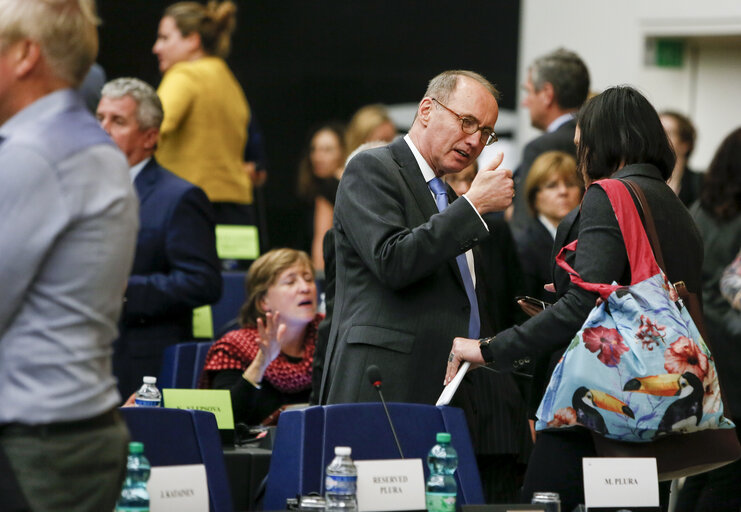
[(145, 180), (412, 175)]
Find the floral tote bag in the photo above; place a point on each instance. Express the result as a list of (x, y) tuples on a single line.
[(638, 369)]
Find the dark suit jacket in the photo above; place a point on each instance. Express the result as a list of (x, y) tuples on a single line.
[(561, 139), (600, 257), (175, 270), (535, 248), (399, 299)]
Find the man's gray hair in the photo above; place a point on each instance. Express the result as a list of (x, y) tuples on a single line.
[(149, 111), (66, 31), (443, 85), (568, 75)]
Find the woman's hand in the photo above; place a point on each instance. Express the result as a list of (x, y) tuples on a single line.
[(464, 349), (271, 333)]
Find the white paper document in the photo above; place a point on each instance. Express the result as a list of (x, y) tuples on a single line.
[(447, 395)]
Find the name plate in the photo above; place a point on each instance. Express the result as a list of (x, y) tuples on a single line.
[(237, 242), (216, 401), (394, 484), (203, 322), (181, 488), (612, 483)]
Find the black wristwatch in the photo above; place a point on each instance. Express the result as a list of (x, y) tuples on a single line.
[(486, 350)]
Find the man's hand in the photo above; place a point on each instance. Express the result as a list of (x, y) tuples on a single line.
[(492, 189)]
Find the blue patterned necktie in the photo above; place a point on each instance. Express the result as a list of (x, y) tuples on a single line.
[(474, 322)]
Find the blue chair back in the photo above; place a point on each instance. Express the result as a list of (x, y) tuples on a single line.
[(176, 436), (182, 364), (305, 441), (233, 296)]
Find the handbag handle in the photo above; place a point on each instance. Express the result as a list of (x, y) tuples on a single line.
[(689, 298), (641, 258)]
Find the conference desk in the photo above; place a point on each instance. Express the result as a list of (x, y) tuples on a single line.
[(246, 467)]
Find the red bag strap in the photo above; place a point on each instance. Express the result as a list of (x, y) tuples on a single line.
[(640, 256)]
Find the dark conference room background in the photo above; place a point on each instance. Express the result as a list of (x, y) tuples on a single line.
[(302, 63)]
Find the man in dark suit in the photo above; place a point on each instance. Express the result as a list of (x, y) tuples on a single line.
[(557, 85), (176, 267), (404, 266)]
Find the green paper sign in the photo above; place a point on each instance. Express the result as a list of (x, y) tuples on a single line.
[(217, 401), (203, 324), (237, 242)]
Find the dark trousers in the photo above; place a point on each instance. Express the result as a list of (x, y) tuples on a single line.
[(715, 491), (556, 466)]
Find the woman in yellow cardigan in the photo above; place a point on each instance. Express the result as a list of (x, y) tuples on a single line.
[(204, 131)]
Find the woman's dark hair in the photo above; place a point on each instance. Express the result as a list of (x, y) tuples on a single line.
[(307, 182), (721, 187), (620, 127)]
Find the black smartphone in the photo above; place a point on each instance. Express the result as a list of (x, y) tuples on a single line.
[(533, 301)]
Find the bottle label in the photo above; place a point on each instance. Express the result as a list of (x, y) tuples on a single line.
[(123, 508), (147, 402), (341, 484), (440, 502)]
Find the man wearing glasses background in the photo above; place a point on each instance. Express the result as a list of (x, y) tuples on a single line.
[(406, 272)]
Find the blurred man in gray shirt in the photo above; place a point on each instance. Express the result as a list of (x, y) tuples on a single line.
[(68, 230)]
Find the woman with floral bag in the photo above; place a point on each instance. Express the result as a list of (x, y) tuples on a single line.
[(619, 136)]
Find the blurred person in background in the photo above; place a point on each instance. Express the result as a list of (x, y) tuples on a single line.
[(268, 362), (553, 188), (204, 132), (68, 235), (684, 181), (318, 178), (556, 87), (176, 268), (369, 124), (718, 217)]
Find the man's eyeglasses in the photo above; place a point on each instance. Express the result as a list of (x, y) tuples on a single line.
[(470, 126)]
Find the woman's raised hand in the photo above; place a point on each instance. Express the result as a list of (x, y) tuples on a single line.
[(271, 332)]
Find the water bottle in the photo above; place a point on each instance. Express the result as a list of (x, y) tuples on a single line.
[(134, 495), (148, 395), (340, 484), (441, 487)]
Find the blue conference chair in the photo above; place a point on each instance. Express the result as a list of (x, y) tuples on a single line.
[(305, 441), (182, 364), (233, 296), (176, 436)]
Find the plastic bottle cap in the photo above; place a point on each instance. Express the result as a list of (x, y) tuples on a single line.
[(342, 450), (150, 380), (443, 437), (136, 447)]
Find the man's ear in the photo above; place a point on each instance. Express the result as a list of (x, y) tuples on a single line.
[(548, 94), (26, 55), (424, 110), (151, 136)]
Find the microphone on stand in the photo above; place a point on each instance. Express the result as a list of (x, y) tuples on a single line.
[(374, 377)]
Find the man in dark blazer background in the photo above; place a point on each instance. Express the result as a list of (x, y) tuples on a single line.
[(400, 290), (556, 87), (175, 267)]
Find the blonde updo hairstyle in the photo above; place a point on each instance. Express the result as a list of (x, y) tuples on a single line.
[(547, 165), (263, 274), (362, 124), (213, 22)]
